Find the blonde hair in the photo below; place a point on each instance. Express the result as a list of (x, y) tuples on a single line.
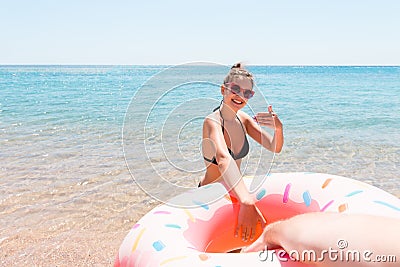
[(238, 71)]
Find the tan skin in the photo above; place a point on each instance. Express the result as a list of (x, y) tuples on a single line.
[(227, 171)]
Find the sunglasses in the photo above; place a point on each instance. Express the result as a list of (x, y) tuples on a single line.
[(234, 88)]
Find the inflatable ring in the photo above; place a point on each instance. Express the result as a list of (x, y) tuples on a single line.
[(200, 235)]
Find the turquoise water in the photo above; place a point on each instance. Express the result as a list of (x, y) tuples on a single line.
[(62, 127)]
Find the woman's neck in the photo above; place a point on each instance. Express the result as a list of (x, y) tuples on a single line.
[(227, 113)]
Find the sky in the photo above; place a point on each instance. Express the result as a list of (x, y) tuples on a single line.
[(149, 32)]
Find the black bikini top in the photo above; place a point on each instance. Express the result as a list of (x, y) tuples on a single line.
[(242, 153)]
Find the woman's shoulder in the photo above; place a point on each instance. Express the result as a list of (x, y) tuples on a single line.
[(212, 119), (243, 116)]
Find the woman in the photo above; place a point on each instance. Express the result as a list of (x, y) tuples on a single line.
[(225, 144)]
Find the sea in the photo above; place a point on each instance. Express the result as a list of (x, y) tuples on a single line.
[(85, 151)]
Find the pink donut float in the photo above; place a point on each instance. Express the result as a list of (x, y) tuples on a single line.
[(200, 233)]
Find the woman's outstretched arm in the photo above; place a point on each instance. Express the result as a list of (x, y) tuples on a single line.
[(249, 215)]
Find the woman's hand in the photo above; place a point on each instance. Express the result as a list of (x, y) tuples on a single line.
[(248, 219), (269, 119)]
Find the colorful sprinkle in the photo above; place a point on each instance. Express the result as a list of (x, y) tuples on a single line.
[(206, 186), (327, 181), (387, 205), (261, 194), (162, 212), (327, 205), (201, 204), (189, 215), (158, 245), (204, 257), (228, 197), (136, 226), (354, 193), (173, 259), (343, 207), (286, 194), (137, 239), (173, 226), (307, 198)]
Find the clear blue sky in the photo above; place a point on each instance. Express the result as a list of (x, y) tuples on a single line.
[(280, 32)]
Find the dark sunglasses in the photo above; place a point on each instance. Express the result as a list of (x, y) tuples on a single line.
[(234, 88)]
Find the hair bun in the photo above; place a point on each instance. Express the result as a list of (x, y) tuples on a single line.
[(237, 66), (239, 72)]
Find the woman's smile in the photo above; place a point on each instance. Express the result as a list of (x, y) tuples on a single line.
[(238, 101)]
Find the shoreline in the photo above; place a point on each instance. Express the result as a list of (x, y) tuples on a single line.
[(84, 240)]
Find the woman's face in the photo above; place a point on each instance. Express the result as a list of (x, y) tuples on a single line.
[(236, 101)]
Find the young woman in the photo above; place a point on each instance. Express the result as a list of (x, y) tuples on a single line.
[(225, 144)]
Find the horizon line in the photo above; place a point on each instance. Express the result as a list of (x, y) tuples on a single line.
[(205, 64)]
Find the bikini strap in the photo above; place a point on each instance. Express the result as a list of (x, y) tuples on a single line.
[(222, 124), (237, 117), (241, 124)]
